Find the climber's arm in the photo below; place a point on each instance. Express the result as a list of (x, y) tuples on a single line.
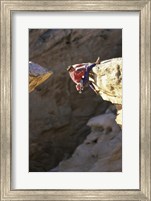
[(80, 66)]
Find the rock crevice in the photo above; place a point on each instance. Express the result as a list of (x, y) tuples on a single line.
[(58, 115)]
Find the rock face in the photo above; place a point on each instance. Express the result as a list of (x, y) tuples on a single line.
[(58, 117), (59, 48), (37, 75), (100, 152), (107, 78), (57, 113)]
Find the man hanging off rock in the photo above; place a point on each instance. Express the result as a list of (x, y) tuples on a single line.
[(79, 73)]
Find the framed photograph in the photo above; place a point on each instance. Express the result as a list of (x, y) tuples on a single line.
[(75, 100)]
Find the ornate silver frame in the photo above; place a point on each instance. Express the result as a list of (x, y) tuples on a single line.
[(144, 9)]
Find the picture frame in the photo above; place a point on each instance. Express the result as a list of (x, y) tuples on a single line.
[(141, 6)]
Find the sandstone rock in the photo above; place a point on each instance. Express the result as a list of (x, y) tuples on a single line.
[(108, 78), (57, 113), (59, 48), (100, 152), (58, 117), (119, 117), (37, 75)]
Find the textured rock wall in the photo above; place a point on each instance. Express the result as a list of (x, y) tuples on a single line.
[(57, 113), (100, 152), (58, 116), (56, 49), (107, 78), (37, 75)]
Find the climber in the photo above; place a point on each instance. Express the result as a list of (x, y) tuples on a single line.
[(79, 73)]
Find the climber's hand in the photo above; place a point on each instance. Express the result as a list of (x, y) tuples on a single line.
[(79, 87)]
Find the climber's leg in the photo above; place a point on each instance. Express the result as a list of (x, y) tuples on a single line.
[(93, 88), (89, 68), (86, 75)]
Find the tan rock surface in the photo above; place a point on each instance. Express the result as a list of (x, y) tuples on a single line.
[(100, 152), (108, 78), (37, 75), (57, 113), (58, 117), (59, 48)]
